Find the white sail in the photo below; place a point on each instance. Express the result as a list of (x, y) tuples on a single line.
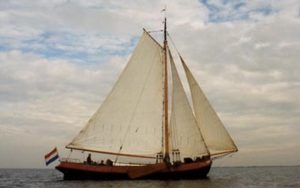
[(214, 133), (130, 119), (186, 135)]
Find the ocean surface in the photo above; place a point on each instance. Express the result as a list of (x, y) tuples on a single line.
[(218, 177)]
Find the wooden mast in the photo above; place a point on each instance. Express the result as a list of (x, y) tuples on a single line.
[(166, 103)]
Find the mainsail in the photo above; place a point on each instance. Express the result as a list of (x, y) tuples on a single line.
[(214, 133), (186, 135), (129, 122)]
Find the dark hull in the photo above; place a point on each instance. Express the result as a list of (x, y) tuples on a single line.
[(79, 171)]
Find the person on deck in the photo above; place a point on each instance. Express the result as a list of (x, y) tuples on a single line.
[(89, 159)]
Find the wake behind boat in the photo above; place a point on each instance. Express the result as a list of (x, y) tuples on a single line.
[(134, 122)]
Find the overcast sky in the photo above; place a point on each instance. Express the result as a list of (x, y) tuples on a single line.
[(60, 58)]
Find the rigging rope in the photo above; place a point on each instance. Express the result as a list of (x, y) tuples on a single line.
[(69, 154)]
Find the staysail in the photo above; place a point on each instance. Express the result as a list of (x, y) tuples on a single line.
[(186, 135), (214, 133), (129, 122)]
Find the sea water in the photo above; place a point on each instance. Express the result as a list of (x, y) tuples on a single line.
[(225, 177)]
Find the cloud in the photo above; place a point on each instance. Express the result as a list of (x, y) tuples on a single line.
[(50, 98)]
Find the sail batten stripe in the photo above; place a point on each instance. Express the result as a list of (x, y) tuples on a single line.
[(110, 153)]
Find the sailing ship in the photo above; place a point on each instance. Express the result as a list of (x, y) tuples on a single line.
[(133, 122)]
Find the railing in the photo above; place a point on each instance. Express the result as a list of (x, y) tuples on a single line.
[(72, 160)]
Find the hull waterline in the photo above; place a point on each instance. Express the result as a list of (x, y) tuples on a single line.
[(80, 171)]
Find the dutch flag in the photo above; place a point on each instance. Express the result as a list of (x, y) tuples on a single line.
[(51, 156)]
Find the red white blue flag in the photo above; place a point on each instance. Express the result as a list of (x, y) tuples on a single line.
[(51, 156)]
